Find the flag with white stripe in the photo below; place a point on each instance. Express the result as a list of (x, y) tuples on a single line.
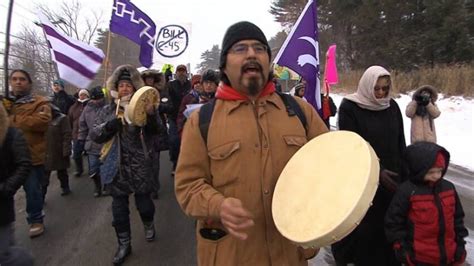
[(77, 62)]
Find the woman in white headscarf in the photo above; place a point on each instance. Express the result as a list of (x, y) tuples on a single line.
[(375, 116)]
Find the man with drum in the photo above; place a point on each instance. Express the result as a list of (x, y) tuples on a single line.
[(226, 180)]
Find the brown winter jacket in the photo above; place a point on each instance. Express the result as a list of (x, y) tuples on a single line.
[(58, 142), (248, 146), (32, 114), (74, 114), (423, 127)]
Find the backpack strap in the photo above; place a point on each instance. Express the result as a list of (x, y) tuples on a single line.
[(293, 108), (205, 116), (205, 113)]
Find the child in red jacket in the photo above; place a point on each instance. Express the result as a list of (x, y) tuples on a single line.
[(425, 219)]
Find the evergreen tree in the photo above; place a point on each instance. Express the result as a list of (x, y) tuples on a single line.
[(210, 59)]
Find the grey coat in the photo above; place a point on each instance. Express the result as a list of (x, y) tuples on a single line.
[(86, 123), (135, 162)]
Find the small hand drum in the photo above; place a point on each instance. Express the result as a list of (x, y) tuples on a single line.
[(325, 189), (136, 111)]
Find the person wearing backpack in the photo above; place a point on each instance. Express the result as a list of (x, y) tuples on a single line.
[(233, 151)]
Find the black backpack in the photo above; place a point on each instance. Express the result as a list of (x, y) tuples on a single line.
[(205, 114)]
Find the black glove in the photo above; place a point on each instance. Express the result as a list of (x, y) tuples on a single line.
[(423, 98), (114, 125), (387, 180), (5, 192)]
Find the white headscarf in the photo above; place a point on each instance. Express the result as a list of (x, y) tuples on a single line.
[(365, 97)]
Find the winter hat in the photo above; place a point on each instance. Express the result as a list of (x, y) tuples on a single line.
[(195, 79), (440, 161), (181, 68), (210, 75), (124, 75), (97, 93), (59, 82), (84, 91), (243, 30)]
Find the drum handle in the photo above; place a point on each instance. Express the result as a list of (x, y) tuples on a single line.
[(118, 106)]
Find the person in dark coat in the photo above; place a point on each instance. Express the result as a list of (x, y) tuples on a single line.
[(15, 166), (74, 114), (156, 80), (376, 117), (134, 162), (58, 150), (191, 98), (177, 88), (92, 148), (60, 98), (424, 222), (328, 108)]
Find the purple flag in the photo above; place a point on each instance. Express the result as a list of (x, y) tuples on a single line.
[(77, 62), (300, 52), (129, 21)]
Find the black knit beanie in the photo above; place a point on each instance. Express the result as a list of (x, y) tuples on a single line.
[(124, 75), (243, 30), (97, 93)]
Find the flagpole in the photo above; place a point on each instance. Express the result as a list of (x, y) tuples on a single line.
[(51, 53), (107, 57), (7, 48)]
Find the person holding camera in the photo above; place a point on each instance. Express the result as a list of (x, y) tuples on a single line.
[(422, 110)]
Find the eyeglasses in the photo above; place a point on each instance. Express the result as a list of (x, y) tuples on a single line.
[(243, 48), (384, 88)]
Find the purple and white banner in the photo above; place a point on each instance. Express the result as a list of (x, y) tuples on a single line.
[(77, 62)]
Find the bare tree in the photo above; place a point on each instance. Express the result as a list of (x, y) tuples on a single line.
[(30, 52), (71, 20)]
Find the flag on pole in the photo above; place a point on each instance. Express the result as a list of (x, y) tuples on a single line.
[(300, 53), (77, 62), (129, 21), (330, 69)]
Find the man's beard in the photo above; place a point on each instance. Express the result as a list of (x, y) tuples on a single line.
[(253, 86)]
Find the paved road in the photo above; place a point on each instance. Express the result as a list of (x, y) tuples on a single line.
[(79, 231), (464, 182)]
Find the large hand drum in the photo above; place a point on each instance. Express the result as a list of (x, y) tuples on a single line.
[(136, 111), (325, 189)]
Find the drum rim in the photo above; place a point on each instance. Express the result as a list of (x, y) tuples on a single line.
[(343, 228)]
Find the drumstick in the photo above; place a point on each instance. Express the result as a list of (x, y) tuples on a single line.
[(117, 109)]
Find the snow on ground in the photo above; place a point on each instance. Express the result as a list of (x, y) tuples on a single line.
[(454, 130), (454, 127)]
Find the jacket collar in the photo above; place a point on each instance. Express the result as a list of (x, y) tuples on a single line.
[(25, 99), (273, 98), (227, 93)]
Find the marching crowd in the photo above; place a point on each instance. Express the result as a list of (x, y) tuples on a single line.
[(227, 158)]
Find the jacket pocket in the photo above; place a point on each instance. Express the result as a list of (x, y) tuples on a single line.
[(207, 251), (293, 144), (225, 164), (424, 212), (297, 141)]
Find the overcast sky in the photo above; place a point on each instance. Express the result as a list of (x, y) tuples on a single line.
[(209, 18)]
